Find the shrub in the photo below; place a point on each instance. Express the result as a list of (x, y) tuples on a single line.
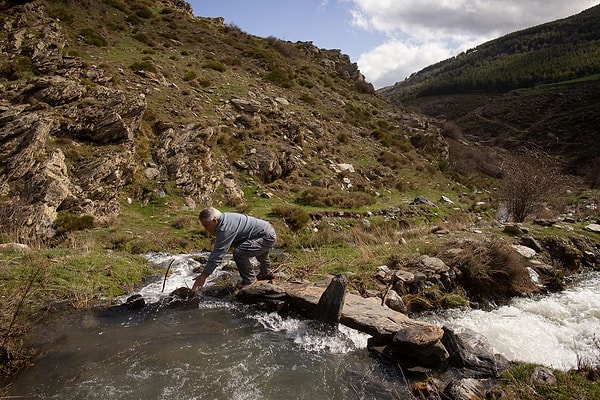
[(215, 65), (491, 270), (93, 38), (205, 82), (308, 99), (286, 49), (189, 76), (142, 37), (17, 68), (280, 78), (68, 223), (321, 197), (116, 4), (294, 216), (529, 178), (142, 11), (142, 66)]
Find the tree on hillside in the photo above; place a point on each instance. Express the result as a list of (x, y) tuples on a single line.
[(529, 179)]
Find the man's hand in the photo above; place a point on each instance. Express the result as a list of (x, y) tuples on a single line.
[(199, 281)]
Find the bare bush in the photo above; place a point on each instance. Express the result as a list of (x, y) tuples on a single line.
[(529, 178)]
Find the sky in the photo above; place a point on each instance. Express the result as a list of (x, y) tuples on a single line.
[(389, 39)]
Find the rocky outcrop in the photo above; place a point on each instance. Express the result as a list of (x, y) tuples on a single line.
[(135, 121), (57, 112)]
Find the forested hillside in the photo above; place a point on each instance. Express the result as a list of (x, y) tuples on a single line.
[(553, 52), (536, 88)]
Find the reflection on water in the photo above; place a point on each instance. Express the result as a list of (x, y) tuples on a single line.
[(217, 351)]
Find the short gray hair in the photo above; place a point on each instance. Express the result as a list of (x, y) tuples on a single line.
[(209, 213)]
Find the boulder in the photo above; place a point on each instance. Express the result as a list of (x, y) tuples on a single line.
[(472, 354), (330, 305)]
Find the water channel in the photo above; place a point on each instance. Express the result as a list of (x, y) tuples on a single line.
[(225, 350)]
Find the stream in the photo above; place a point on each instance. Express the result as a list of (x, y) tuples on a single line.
[(226, 350)]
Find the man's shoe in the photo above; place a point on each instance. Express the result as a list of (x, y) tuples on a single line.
[(242, 284), (265, 277)]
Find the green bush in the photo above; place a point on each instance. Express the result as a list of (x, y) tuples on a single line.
[(205, 82), (68, 223), (17, 69), (294, 216), (116, 4), (92, 37), (190, 76), (142, 11), (280, 78), (217, 66), (142, 37), (142, 66), (491, 270), (320, 197)]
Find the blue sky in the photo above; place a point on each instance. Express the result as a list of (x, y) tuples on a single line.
[(389, 39)]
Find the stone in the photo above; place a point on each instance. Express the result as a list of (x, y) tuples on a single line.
[(465, 389), (542, 375), (395, 332), (471, 352), (525, 251), (9, 247), (422, 200), (513, 229), (530, 242), (394, 301), (593, 228), (330, 305)]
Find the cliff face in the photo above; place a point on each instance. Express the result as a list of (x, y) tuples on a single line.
[(93, 113)]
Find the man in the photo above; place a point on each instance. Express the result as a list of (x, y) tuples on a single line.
[(250, 237)]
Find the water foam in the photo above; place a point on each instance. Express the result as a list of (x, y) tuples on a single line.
[(311, 336), (559, 330)]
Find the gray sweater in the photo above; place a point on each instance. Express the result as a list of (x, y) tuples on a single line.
[(233, 229)]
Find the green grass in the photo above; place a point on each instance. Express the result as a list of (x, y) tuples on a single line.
[(515, 384)]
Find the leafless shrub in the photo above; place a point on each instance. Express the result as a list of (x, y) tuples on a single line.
[(286, 49), (529, 178)]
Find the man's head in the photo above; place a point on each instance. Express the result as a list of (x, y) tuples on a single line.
[(209, 218)]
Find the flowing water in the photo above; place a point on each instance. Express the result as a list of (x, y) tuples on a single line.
[(225, 350), (561, 330), (218, 350)]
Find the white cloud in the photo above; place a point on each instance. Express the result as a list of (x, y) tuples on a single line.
[(424, 32)]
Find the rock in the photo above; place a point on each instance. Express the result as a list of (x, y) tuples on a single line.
[(471, 352), (14, 247), (330, 305), (513, 229), (393, 300), (393, 334), (593, 228), (422, 200), (135, 301), (429, 388), (249, 106), (446, 200), (433, 263), (542, 375), (465, 389), (530, 242), (525, 251)]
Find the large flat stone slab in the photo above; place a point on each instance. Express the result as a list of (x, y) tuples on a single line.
[(363, 314)]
